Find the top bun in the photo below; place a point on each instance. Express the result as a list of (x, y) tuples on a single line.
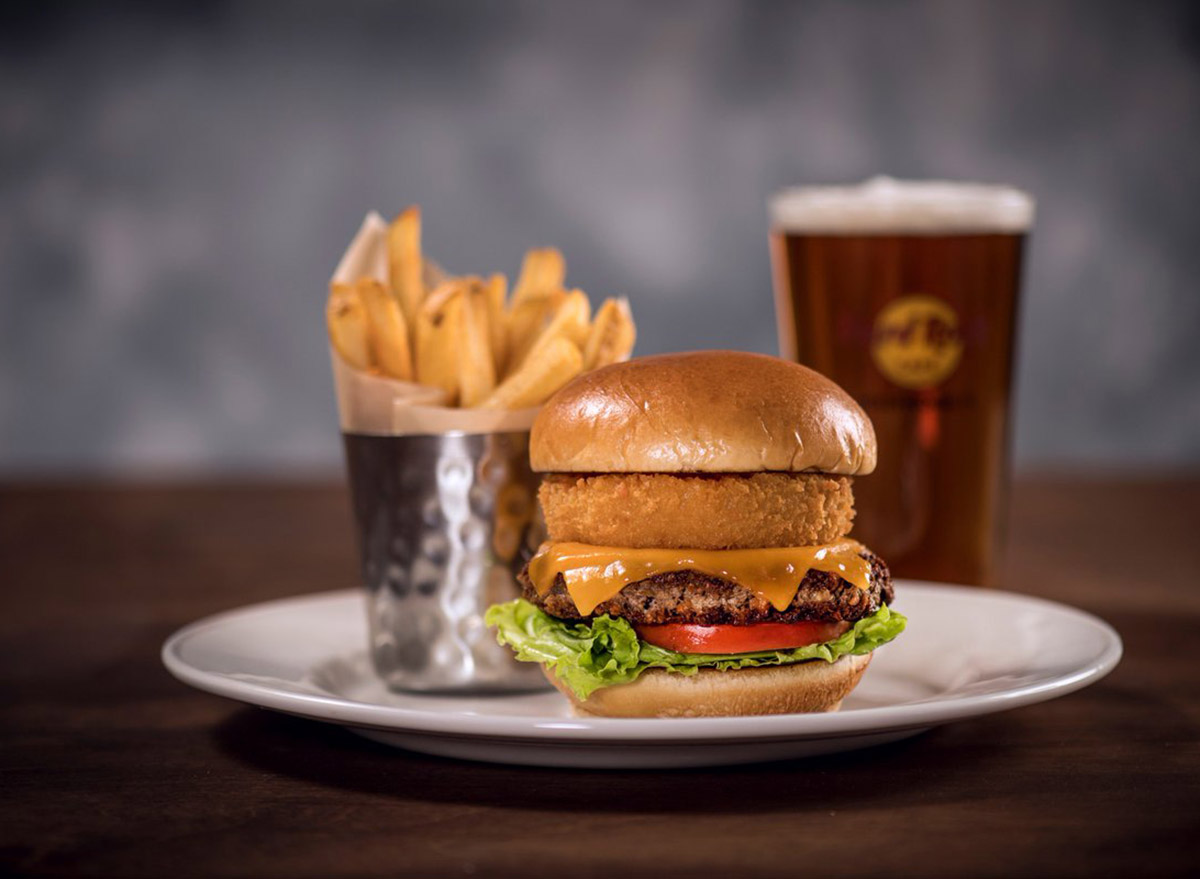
[(702, 412)]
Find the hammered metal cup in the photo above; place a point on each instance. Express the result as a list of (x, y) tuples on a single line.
[(445, 523)]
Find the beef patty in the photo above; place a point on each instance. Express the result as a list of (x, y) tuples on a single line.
[(692, 597)]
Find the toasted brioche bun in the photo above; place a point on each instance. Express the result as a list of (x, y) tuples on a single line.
[(702, 412), (802, 688)]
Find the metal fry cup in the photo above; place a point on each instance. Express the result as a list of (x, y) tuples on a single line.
[(445, 524), (447, 515)]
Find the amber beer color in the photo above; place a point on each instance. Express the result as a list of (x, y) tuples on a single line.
[(906, 295)]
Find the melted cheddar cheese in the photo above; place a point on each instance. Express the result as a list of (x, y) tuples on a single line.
[(594, 574)]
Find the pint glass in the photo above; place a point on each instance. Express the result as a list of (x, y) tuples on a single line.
[(906, 295)]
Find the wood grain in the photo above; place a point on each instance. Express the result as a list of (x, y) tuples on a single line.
[(110, 767)]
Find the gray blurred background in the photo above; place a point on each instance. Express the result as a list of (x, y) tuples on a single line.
[(177, 182)]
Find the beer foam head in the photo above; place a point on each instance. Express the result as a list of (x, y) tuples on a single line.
[(882, 205)]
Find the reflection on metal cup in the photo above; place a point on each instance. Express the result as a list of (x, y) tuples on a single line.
[(445, 523)]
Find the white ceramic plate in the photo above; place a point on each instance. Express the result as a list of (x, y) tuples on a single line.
[(967, 652)]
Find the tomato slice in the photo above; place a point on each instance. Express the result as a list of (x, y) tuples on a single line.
[(689, 638)]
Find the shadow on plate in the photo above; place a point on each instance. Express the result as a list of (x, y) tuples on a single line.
[(329, 755)]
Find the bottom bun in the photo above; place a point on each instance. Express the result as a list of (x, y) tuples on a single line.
[(802, 688)]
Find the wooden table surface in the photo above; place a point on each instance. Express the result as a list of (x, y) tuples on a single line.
[(112, 768)]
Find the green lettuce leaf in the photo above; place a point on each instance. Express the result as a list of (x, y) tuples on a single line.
[(606, 651)]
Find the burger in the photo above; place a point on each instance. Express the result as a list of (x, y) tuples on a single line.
[(697, 507)]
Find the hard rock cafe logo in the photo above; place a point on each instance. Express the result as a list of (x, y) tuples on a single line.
[(916, 341)]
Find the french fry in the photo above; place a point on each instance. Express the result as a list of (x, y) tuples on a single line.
[(574, 316), (612, 335), (526, 320), (476, 367), (438, 333), (555, 364), (497, 290), (388, 331), (405, 267), (570, 321), (442, 294), (543, 270), (349, 326), (466, 336)]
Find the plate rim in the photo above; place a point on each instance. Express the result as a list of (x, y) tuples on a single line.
[(529, 728)]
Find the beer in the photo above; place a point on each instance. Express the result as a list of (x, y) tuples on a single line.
[(906, 295)]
